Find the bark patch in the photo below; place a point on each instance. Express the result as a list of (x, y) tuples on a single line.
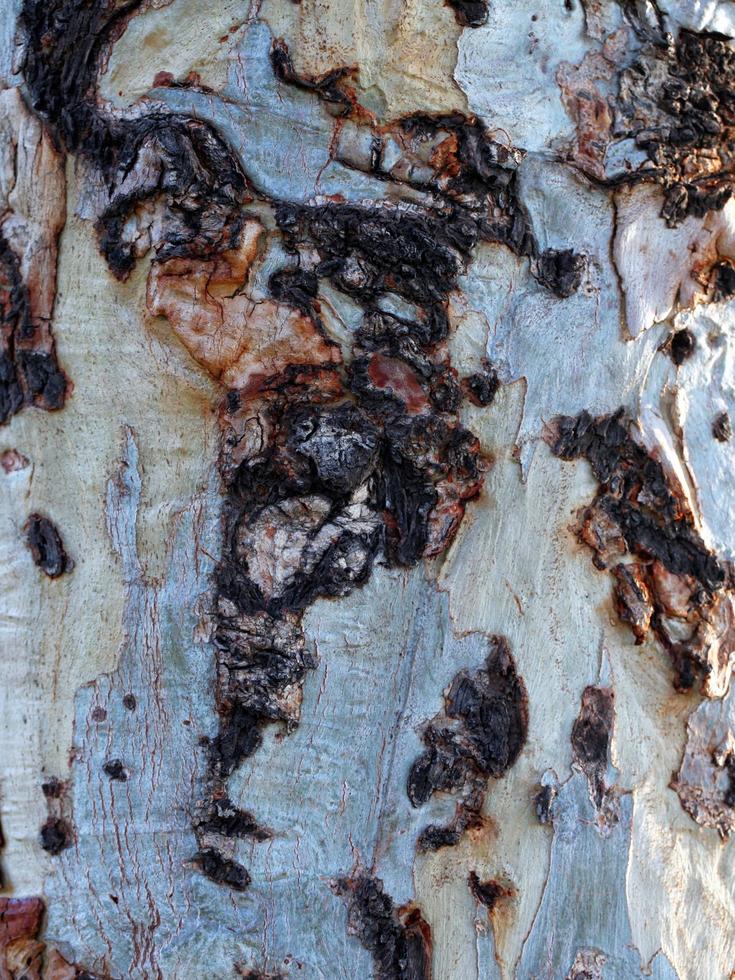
[(722, 427), (490, 892), (479, 734), (664, 117), (592, 734), (469, 13), (46, 547), (640, 527), (399, 940)]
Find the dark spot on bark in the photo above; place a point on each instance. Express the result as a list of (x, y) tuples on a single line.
[(52, 788), (482, 387), (488, 893), (55, 835), (481, 729), (729, 798), (675, 577), (398, 940), (467, 816), (722, 427), (224, 818), (115, 770), (222, 870), (561, 271), (46, 546), (469, 13), (98, 714), (444, 390), (681, 346), (724, 281), (238, 738), (478, 735), (129, 701)]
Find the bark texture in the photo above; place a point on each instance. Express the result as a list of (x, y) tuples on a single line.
[(365, 428)]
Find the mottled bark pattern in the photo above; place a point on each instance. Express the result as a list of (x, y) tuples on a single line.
[(372, 707)]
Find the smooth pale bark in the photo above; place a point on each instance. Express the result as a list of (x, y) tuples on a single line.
[(128, 472)]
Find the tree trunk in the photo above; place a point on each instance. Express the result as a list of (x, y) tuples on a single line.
[(365, 387)]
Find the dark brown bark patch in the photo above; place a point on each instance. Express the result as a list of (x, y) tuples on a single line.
[(55, 835), (561, 271), (195, 174), (331, 86), (682, 345), (224, 818), (469, 13), (542, 801), (46, 546), (723, 282), (482, 387), (591, 744), (722, 427), (640, 527), (478, 735), (29, 372), (222, 870), (672, 107), (399, 940), (489, 892), (115, 770)]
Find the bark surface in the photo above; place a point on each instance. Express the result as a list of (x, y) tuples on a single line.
[(366, 386)]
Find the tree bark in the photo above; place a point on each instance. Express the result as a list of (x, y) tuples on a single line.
[(365, 427)]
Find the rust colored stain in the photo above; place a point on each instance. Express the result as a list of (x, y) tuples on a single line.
[(396, 378), (20, 918)]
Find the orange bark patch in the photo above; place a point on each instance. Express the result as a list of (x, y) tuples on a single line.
[(237, 340), (274, 338)]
